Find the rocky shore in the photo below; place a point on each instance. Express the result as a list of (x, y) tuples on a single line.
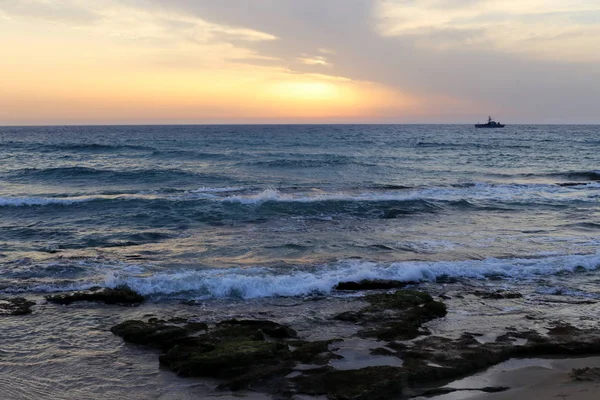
[(388, 350)]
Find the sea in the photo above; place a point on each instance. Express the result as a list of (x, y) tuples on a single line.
[(233, 217)]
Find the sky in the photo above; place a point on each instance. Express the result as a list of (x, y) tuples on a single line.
[(299, 61)]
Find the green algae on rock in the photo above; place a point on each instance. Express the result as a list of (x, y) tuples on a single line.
[(370, 383), (397, 315), (243, 352)]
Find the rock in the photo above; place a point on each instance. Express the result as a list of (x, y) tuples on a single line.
[(265, 356), (371, 383), (15, 306), (396, 315), (446, 279), (153, 334), (247, 327), (372, 285), (585, 374), (243, 352), (228, 359), (120, 295), (499, 294), (314, 352)]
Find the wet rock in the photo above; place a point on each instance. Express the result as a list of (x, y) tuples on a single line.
[(377, 284), (435, 359), (396, 315), (447, 390), (244, 352), (314, 352), (446, 279), (585, 374), (499, 294), (228, 359), (371, 383), (249, 327), (15, 306), (120, 295), (153, 333)]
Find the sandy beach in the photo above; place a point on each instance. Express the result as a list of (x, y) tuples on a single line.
[(535, 378)]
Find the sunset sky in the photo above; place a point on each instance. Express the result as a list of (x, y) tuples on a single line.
[(299, 61)]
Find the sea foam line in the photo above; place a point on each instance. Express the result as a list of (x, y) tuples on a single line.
[(269, 282), (477, 192)]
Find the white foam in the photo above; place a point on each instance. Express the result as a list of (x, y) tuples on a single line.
[(269, 282), (217, 190), (477, 192), (265, 195)]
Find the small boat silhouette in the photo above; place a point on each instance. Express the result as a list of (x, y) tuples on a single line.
[(490, 124)]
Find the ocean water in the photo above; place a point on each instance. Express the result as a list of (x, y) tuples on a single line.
[(197, 212), (217, 222)]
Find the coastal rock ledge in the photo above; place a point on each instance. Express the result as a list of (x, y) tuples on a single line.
[(268, 357)]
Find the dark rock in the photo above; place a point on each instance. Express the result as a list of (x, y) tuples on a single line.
[(245, 352), (227, 359), (458, 358), (585, 374), (234, 327), (500, 294), (371, 383), (120, 295), (152, 334), (446, 279), (446, 390), (397, 315), (372, 285), (314, 352), (15, 306)]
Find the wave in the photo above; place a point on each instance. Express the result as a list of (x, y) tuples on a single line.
[(392, 201), (579, 176), (260, 282), (96, 147), (467, 195), (75, 147), (269, 282), (188, 155), (67, 174), (328, 161)]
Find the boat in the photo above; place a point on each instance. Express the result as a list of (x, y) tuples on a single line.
[(490, 124)]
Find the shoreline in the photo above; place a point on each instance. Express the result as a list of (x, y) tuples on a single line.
[(542, 378), (365, 331)]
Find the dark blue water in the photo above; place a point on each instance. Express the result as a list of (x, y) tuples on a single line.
[(253, 211)]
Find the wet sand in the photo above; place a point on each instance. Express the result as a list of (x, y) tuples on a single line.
[(537, 378)]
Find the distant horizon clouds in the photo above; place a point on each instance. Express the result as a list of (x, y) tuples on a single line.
[(292, 61)]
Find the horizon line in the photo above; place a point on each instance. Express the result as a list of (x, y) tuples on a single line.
[(280, 124)]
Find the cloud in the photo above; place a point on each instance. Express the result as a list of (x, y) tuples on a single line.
[(314, 60), (67, 11), (540, 28), (444, 60), (120, 19)]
